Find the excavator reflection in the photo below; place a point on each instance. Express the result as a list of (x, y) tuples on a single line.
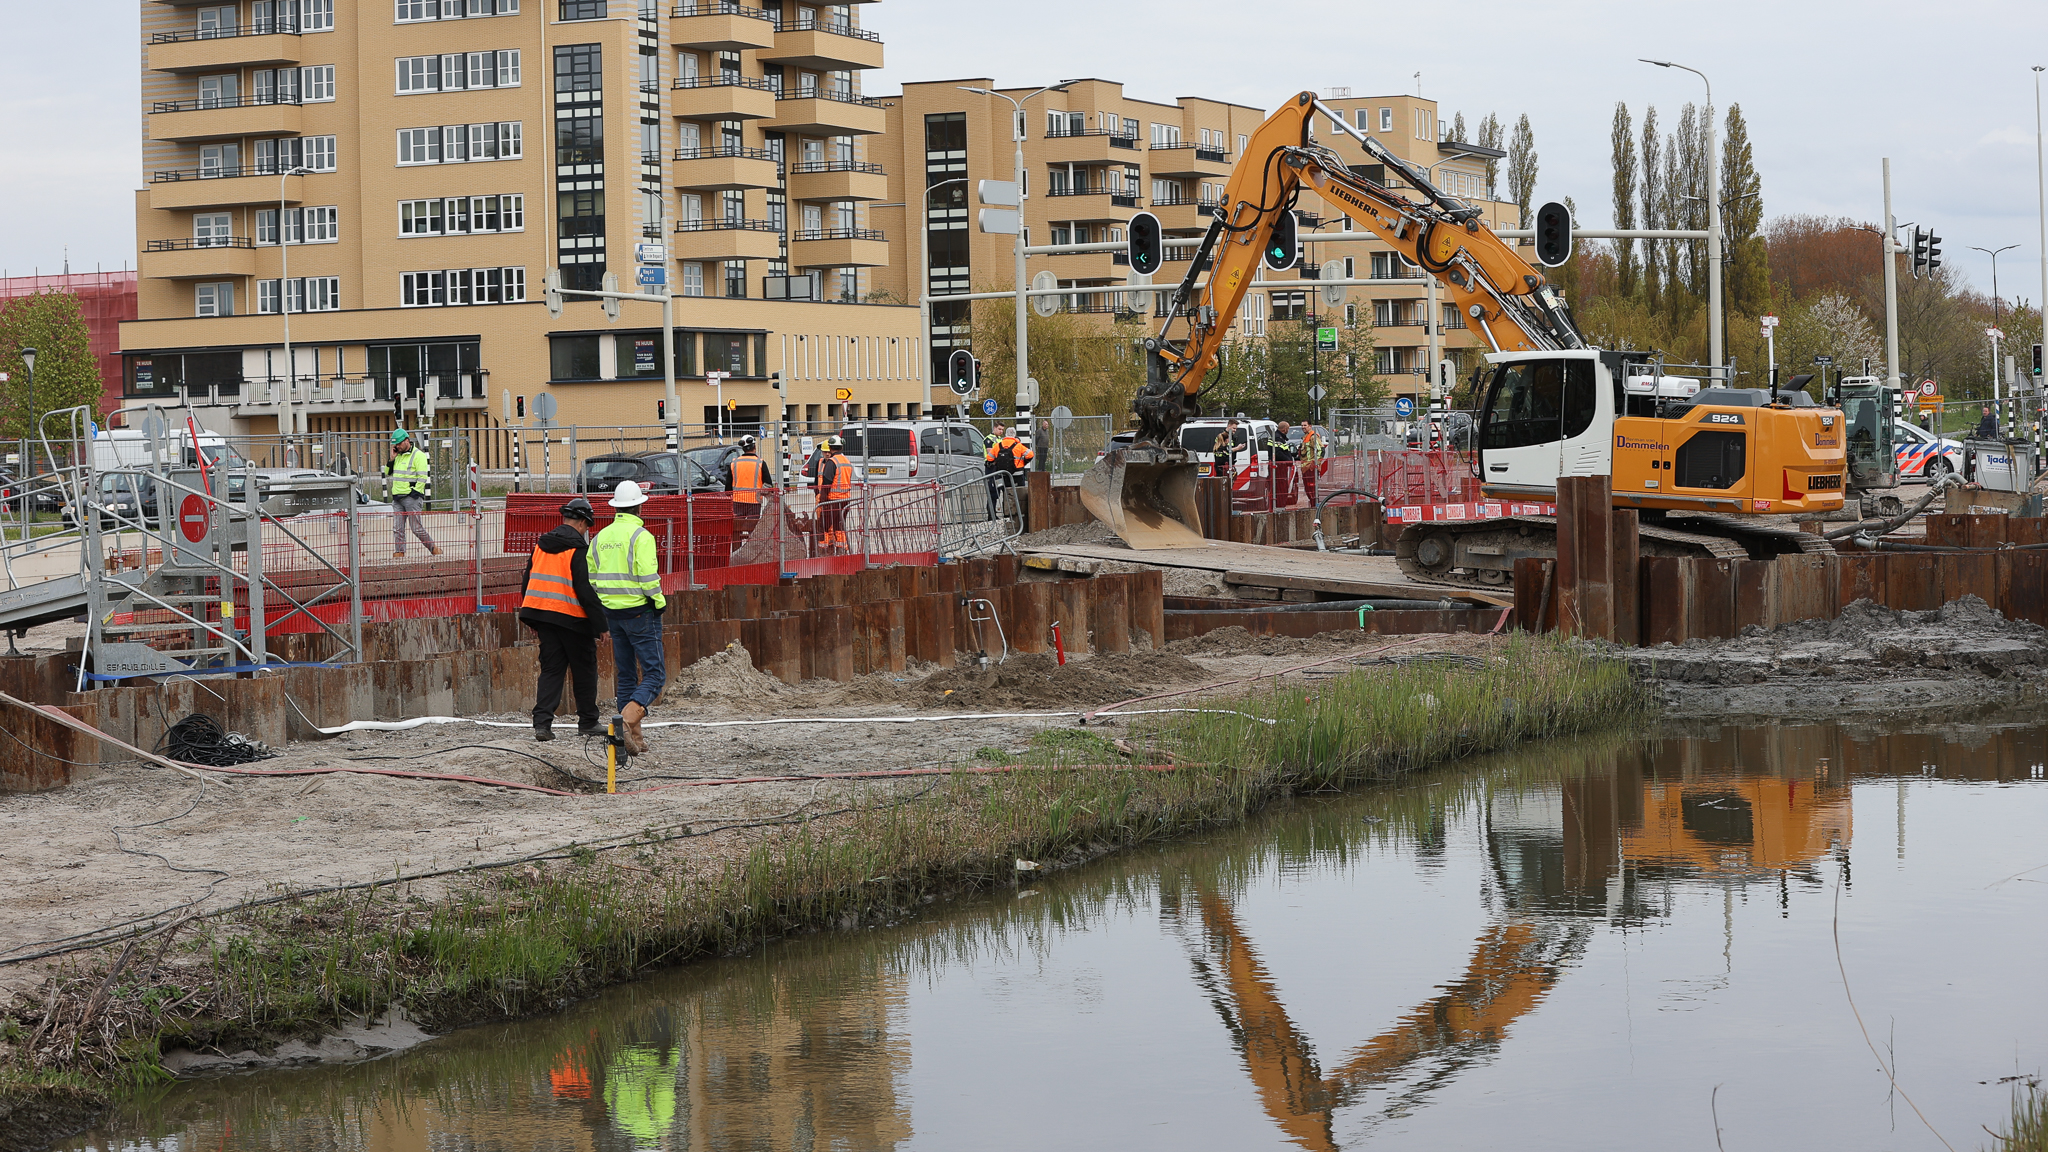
[(1561, 860)]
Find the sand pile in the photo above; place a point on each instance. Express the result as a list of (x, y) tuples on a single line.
[(728, 674)]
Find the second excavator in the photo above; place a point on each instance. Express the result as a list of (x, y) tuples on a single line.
[(1551, 407)]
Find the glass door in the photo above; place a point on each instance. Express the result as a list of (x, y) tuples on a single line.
[(220, 91), (220, 160), (216, 22), (211, 229)]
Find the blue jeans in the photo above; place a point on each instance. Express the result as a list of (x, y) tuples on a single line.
[(636, 652)]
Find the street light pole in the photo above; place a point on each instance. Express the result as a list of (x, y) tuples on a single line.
[(2041, 192), (1891, 285), (287, 419), (1714, 340), (28, 363), (1993, 253)]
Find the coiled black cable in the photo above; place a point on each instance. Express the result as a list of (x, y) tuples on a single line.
[(199, 739)]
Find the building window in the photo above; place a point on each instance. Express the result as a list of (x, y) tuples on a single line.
[(574, 358), (455, 71), (1386, 119), (1350, 315), (455, 215), (584, 9), (736, 279), (439, 287), (693, 279), (301, 225), (461, 143), (1289, 305), (317, 15), (307, 294), (313, 153), (212, 229), (214, 299), (413, 10), (316, 84)]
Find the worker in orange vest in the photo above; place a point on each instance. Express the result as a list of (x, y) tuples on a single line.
[(749, 480), (835, 492), (1008, 459), (564, 612)]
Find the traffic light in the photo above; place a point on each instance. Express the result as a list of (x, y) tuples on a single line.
[(1553, 234), (962, 372), (661, 411), (2037, 362), (1933, 252), (554, 295), (1919, 250), (611, 303), (1144, 249), (1283, 250), (519, 405)]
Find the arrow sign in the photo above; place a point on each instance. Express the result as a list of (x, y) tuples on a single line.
[(989, 407)]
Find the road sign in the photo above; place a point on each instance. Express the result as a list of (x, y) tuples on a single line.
[(989, 407), (1769, 322), (1994, 333), (999, 221), (1333, 294), (1326, 339), (653, 274), (1927, 387), (1062, 417), (1317, 392), (1045, 305), (650, 254), (544, 410), (1404, 407), (842, 394), (1827, 360)]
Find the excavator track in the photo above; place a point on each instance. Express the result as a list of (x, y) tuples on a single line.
[(1481, 553)]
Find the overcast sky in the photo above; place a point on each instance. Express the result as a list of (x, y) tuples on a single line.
[(1828, 89)]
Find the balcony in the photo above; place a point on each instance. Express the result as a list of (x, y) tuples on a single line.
[(725, 168), (823, 46), (1090, 146), (727, 240), (261, 45), (1187, 160), (823, 112), (720, 26), (1182, 213), (223, 187), (727, 96), (838, 180), (838, 248), (1092, 203), (216, 118), (203, 258)]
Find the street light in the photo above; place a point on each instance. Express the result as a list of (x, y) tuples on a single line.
[(1017, 131), (288, 421), (2041, 190), (1713, 216), (28, 364), (1993, 253)]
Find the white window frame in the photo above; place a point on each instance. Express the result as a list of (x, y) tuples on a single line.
[(419, 146), (316, 15), (1386, 119), (316, 153), (693, 278), (316, 84), (214, 299)]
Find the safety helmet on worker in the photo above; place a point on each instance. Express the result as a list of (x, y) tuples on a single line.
[(748, 443), (627, 495), (580, 509), (835, 442), (400, 435)]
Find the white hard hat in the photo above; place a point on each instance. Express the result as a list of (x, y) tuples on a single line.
[(627, 495)]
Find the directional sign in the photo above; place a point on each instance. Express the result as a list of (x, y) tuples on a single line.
[(989, 407), (1317, 392), (842, 394), (1326, 339), (1404, 406), (1828, 360), (653, 274)]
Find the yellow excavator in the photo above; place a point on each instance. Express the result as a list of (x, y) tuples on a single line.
[(1552, 407)]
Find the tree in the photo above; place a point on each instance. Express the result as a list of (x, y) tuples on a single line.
[(1622, 142), (66, 376), (1489, 137), (1749, 272), (1653, 207), (1075, 361), (1522, 167), (1828, 325), (1458, 127)]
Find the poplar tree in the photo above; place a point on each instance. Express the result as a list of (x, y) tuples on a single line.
[(1522, 167), (1749, 272), (1623, 142), (1653, 207), (1490, 137)]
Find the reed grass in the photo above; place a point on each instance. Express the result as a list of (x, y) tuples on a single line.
[(513, 941)]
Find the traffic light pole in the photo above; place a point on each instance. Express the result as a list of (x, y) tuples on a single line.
[(1891, 285)]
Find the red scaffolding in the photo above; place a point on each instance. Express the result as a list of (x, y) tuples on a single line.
[(105, 299)]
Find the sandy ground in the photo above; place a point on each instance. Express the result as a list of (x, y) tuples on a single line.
[(237, 837)]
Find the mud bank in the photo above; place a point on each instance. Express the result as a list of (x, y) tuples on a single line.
[(1870, 659)]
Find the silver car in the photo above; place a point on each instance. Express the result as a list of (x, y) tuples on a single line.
[(915, 451)]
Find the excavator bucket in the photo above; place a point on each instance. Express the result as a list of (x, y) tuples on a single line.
[(1146, 496)]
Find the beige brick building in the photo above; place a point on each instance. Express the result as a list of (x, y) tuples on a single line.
[(434, 158), (1094, 156)]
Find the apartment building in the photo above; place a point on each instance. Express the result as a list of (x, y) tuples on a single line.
[(393, 179), (1094, 156)]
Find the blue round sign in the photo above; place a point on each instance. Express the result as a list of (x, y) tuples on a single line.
[(1404, 406), (989, 407)]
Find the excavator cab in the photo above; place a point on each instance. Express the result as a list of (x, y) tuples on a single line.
[(1867, 411)]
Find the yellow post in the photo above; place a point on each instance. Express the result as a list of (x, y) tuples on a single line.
[(611, 762)]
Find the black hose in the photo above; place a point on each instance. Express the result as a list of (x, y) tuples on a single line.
[(199, 739)]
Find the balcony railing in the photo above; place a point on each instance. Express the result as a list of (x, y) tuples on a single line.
[(837, 166), (186, 242), (225, 172), (262, 100), (835, 27), (724, 80), (1211, 155), (727, 226), (1120, 139), (260, 28), (827, 94), (1117, 196), (721, 8), (839, 234), (728, 152)]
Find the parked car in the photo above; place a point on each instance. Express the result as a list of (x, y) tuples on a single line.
[(716, 461), (658, 473), (1922, 455), (945, 451), (125, 499)]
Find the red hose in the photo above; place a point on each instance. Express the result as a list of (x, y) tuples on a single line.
[(976, 771)]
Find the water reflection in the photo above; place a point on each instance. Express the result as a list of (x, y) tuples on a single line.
[(1290, 935)]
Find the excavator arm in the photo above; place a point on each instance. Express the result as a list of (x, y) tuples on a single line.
[(1146, 493)]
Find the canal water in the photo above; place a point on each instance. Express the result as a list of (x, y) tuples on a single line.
[(1605, 945)]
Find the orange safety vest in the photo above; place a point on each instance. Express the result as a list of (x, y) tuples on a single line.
[(747, 477), (1019, 453), (552, 587), (842, 478)]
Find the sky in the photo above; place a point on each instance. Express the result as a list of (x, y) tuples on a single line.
[(1828, 91)]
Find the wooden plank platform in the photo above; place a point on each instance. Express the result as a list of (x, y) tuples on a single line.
[(1260, 566)]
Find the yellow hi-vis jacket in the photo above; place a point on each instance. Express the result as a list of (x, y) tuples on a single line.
[(409, 473), (622, 565)]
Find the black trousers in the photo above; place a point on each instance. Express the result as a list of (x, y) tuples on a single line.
[(564, 650)]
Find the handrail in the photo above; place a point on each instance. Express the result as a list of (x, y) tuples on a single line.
[(836, 166), (723, 80), (720, 8), (260, 28), (199, 242), (838, 234), (207, 103), (724, 152), (835, 27), (827, 94), (717, 225), (227, 172)]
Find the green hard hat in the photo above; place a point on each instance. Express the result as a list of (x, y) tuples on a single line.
[(400, 435)]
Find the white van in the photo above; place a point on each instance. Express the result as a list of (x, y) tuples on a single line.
[(919, 451), (129, 448), (1253, 440)]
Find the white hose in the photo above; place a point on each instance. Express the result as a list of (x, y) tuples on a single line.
[(421, 721)]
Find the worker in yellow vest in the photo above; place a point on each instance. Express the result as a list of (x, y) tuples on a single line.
[(625, 572), (564, 611), (410, 470), (749, 480)]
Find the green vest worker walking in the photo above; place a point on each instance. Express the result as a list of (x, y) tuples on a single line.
[(409, 470), (628, 582)]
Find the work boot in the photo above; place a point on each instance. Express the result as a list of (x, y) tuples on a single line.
[(543, 733), (633, 713), (589, 728)]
